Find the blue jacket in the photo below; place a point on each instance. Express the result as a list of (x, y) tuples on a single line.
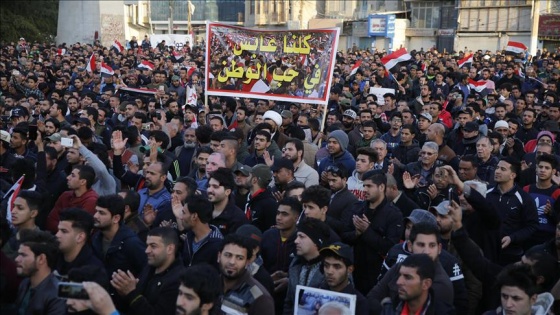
[(345, 159), (206, 252)]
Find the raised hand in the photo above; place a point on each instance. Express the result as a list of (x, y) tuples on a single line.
[(410, 182), (432, 191), (118, 143)]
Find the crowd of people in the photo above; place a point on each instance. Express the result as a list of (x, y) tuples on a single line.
[(439, 198)]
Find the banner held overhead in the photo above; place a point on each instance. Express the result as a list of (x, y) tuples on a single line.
[(291, 66)]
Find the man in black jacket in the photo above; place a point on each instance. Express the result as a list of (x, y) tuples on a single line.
[(225, 215), (516, 209), (156, 289), (378, 225), (261, 205), (202, 241), (341, 201)]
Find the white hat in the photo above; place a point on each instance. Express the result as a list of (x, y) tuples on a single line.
[(350, 113), (274, 116), (501, 124), (5, 136)]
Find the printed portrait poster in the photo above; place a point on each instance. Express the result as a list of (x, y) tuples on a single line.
[(289, 65), (312, 301), (379, 92)]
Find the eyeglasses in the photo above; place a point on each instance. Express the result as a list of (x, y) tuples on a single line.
[(427, 153), (333, 169)]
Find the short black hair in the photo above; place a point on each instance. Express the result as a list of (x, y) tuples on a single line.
[(424, 228), (114, 203), (316, 194), (81, 219), (224, 177), (162, 137), (239, 240), (201, 206), (424, 265), (34, 199), (86, 172), (191, 184), (132, 200), (519, 276), (376, 176), (204, 281), (515, 165), (548, 158), (293, 203), (168, 236), (41, 242)]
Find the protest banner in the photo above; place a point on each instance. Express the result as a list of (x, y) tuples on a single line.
[(175, 40), (312, 301), (379, 92), (290, 66)]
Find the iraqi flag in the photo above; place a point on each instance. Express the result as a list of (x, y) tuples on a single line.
[(478, 86), (146, 65), (192, 97), (177, 57), (468, 60), (393, 59), (106, 70), (515, 48), (91, 66), (118, 47), (12, 195), (61, 51), (356, 67)]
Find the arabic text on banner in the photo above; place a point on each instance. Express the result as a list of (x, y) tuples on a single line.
[(292, 66)]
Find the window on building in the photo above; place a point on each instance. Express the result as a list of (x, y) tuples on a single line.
[(252, 7), (426, 14)]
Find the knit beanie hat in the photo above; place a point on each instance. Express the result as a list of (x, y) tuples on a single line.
[(341, 137), (312, 228)]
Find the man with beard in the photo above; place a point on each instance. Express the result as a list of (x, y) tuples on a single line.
[(241, 291), (225, 214), (338, 265), (155, 200), (199, 171), (261, 142), (294, 151), (199, 291), (44, 109), (185, 153), (73, 107), (74, 231), (52, 126), (201, 239), (80, 194), (37, 293), (156, 288), (337, 145), (115, 244), (241, 122)]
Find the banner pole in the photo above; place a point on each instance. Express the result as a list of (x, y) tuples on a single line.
[(324, 118)]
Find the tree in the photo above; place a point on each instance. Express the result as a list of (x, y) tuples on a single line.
[(33, 20)]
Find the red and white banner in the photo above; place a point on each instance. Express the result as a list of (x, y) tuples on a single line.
[(12, 194), (146, 65), (106, 70), (91, 66), (515, 47), (356, 67), (259, 63), (117, 45), (468, 59), (391, 60), (478, 86)]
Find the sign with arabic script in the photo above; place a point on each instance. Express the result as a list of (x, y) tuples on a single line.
[(291, 66)]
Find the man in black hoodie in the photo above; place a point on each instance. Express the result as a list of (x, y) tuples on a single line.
[(261, 205)]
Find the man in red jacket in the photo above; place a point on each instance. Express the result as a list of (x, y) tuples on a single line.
[(80, 195)]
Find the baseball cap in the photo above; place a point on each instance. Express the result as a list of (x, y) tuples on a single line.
[(350, 113), (426, 116), (347, 94), (5, 136), (470, 126), (345, 102), (82, 120), (250, 231), (421, 215), (55, 137), (282, 163), (175, 78), (262, 171), (441, 208), (556, 71), (501, 124), (286, 114), (19, 111), (339, 249), (245, 170)]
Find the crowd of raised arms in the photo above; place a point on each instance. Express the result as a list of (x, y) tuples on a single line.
[(437, 198)]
